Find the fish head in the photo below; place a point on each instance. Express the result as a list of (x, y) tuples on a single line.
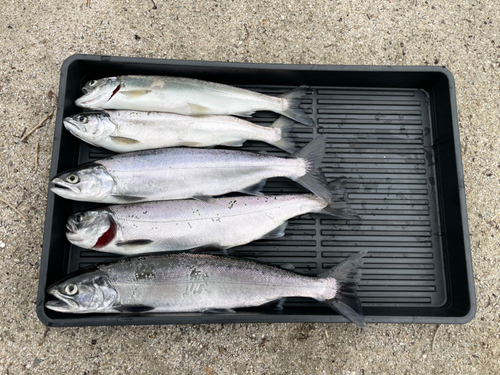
[(98, 92), (83, 293), (93, 128), (92, 229), (87, 183)]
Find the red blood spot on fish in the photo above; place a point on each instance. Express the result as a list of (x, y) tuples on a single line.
[(107, 237), (115, 91)]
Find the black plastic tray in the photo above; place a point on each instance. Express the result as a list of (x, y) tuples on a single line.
[(392, 131)]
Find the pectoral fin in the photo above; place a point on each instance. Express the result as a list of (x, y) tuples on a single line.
[(134, 243), (197, 109), (134, 93), (123, 140), (133, 308), (127, 198), (219, 311)]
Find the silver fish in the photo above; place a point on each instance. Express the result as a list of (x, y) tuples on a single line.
[(187, 224), (187, 96), (125, 131), (178, 173), (205, 283)]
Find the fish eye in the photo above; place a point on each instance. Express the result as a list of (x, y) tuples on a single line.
[(92, 83), (82, 119), (72, 179), (79, 218), (71, 289)]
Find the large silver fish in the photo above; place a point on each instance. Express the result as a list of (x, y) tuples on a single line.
[(187, 224), (178, 173), (125, 131), (191, 283), (187, 96)]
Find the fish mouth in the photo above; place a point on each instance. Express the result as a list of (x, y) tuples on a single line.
[(76, 238), (62, 304), (86, 100), (71, 227), (73, 236), (64, 185), (95, 99), (58, 305), (71, 124), (64, 189)]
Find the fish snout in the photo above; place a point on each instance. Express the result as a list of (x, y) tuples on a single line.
[(71, 227), (80, 102), (72, 125), (58, 184)]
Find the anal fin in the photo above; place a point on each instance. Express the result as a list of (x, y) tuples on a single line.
[(202, 198), (288, 266), (254, 189), (244, 114), (277, 232), (232, 144), (275, 305), (192, 144), (340, 210)]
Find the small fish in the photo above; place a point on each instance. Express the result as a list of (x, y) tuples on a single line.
[(179, 173), (189, 224), (125, 131), (202, 283), (186, 96)]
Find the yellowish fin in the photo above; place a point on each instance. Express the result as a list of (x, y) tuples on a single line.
[(134, 93), (197, 109), (123, 140)]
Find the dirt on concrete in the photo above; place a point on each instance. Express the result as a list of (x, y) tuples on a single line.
[(36, 37)]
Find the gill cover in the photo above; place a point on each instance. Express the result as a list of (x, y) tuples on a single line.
[(90, 229), (98, 92), (92, 128), (87, 183), (84, 292)]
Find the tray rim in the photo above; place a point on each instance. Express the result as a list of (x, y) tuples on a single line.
[(243, 317)]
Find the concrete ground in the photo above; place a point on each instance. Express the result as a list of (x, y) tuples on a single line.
[(37, 36)]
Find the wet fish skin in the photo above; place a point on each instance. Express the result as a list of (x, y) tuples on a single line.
[(192, 283), (126, 131), (179, 173), (187, 96), (188, 224)]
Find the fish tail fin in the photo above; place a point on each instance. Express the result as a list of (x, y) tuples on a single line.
[(293, 110), (286, 143), (337, 206), (347, 275), (314, 179)]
